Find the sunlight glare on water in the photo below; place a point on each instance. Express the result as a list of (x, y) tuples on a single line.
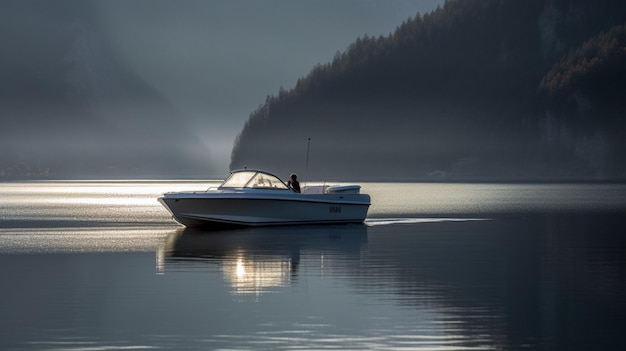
[(96, 239), (96, 192), (89, 203), (405, 199), (250, 276)]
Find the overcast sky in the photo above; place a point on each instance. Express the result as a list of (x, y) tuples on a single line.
[(217, 60)]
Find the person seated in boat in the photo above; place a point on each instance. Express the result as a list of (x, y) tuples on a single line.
[(293, 183)]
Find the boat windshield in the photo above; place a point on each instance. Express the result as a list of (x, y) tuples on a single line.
[(253, 179)]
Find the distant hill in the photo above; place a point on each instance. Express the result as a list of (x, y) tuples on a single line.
[(476, 90), (69, 109)]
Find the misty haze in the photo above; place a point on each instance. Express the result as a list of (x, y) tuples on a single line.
[(156, 89), (468, 90)]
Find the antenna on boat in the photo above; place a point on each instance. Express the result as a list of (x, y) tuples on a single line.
[(306, 168)]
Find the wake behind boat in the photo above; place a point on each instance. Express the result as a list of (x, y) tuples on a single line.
[(258, 198)]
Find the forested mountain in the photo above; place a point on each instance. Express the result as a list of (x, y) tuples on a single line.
[(477, 89)]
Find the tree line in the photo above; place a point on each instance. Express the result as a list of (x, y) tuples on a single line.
[(475, 89)]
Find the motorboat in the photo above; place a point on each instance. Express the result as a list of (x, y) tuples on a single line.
[(258, 198)]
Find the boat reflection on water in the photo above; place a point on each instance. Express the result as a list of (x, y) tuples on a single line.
[(247, 275), (258, 260)]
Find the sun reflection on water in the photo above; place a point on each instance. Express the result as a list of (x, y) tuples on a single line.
[(247, 275)]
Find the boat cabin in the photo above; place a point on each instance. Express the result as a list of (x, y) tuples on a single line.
[(253, 179), (257, 179)]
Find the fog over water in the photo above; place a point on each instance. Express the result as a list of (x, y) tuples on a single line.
[(158, 88)]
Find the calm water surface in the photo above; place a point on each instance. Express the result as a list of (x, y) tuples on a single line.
[(101, 266)]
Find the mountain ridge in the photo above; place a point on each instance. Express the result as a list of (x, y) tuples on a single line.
[(458, 93)]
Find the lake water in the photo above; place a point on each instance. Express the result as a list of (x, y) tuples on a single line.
[(101, 266)]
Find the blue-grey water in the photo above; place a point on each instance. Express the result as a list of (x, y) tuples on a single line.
[(99, 265)]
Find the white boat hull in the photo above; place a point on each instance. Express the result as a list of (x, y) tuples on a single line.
[(245, 209)]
